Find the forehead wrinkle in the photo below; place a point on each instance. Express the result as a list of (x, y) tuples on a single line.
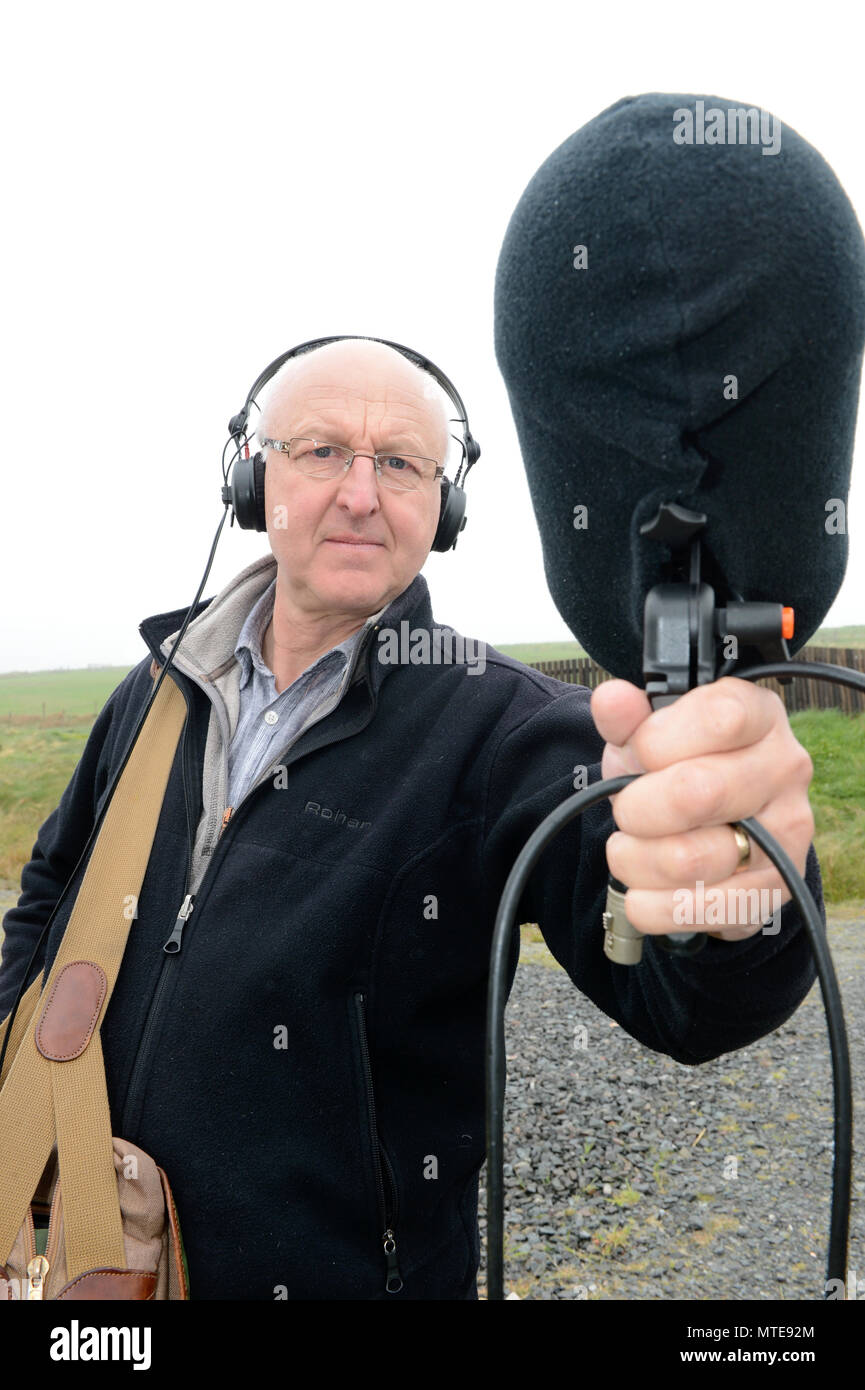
[(394, 396), (405, 418)]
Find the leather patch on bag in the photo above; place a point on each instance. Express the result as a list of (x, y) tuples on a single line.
[(111, 1284), (70, 1015)]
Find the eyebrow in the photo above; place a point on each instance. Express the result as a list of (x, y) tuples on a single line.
[(401, 443)]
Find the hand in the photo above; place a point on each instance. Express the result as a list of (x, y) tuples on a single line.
[(719, 753)]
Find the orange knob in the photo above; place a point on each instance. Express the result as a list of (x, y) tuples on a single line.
[(787, 622)]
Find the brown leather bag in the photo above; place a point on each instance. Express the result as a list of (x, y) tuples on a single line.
[(112, 1228), (155, 1262)]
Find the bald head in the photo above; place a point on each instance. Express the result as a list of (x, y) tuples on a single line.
[(376, 379)]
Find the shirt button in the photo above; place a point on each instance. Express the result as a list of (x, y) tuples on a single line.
[(270, 716)]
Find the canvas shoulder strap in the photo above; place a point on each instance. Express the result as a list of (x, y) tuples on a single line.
[(53, 1088)]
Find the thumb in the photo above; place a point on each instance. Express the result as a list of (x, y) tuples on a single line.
[(618, 709)]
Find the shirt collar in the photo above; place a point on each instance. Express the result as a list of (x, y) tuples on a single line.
[(248, 648)]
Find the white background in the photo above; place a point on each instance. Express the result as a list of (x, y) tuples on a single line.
[(159, 252)]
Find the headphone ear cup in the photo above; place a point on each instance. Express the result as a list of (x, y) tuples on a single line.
[(247, 493), (452, 516), (258, 484)]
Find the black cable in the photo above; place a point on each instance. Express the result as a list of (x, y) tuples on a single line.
[(836, 1260), (497, 997), (241, 441), (816, 670), (25, 981), (496, 1000), (233, 458)]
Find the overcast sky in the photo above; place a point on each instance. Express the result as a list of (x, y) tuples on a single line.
[(160, 164)]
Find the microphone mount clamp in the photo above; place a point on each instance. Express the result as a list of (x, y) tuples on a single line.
[(681, 629), (681, 622)]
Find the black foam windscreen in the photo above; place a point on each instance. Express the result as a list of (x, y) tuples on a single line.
[(683, 321)]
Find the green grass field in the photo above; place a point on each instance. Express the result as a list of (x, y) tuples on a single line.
[(564, 651), (37, 762), (836, 743), (850, 636), (49, 694), (35, 767), (529, 652), (68, 697)]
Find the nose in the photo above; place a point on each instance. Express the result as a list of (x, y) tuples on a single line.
[(358, 488)]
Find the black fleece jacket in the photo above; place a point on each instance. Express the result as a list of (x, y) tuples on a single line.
[(319, 1038)]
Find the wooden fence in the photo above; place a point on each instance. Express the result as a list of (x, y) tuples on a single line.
[(800, 694)]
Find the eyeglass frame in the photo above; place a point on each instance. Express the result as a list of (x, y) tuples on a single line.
[(283, 446)]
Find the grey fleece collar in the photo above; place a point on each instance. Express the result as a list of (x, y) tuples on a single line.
[(207, 652)]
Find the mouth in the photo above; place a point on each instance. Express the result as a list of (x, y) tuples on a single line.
[(353, 543)]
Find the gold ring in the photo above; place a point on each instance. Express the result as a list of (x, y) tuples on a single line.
[(743, 844)]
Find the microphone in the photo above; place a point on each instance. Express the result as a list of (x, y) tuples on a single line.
[(680, 325), (683, 323)]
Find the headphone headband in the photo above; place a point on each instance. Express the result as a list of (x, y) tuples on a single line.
[(237, 424)]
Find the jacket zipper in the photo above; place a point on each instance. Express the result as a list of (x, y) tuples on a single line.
[(387, 1213), (175, 940), (172, 946), (171, 949)]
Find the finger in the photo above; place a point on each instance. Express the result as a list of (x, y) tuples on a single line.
[(709, 853), (701, 792), (616, 762), (724, 716), (737, 907)]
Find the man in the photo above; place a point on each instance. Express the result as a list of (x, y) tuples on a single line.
[(307, 1065)]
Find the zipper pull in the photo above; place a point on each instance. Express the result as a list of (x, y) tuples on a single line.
[(172, 945), (393, 1283), (226, 817), (37, 1272)]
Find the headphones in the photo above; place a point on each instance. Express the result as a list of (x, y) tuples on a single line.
[(245, 492)]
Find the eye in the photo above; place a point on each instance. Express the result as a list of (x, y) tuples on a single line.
[(397, 464), (323, 451)]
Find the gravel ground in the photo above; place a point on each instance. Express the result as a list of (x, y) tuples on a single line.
[(618, 1180), (615, 1156)]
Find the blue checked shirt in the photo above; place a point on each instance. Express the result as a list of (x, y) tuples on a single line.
[(269, 721)]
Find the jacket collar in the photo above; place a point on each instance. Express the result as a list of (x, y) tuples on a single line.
[(208, 646)]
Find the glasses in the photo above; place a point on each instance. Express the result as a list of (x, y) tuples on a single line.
[(313, 458)]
